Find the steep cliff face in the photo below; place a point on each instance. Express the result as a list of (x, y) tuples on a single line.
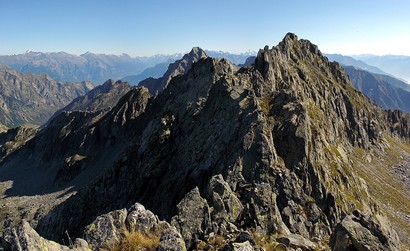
[(258, 155)]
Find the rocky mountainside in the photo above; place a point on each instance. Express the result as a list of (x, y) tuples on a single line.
[(30, 99), (385, 90), (179, 67), (281, 154), (101, 98)]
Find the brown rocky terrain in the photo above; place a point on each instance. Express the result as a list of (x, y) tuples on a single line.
[(281, 154)]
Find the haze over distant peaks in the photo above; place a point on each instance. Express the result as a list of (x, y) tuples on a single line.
[(397, 65)]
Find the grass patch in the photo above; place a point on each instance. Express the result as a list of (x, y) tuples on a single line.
[(136, 241), (213, 243), (267, 242)]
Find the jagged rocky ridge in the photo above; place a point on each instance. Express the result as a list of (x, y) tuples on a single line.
[(239, 152)]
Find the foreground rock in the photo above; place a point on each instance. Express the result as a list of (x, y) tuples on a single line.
[(107, 232), (362, 232), (25, 238), (109, 229)]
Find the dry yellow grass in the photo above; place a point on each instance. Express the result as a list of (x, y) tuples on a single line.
[(137, 241)]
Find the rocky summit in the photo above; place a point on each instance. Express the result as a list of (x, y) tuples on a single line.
[(283, 154)]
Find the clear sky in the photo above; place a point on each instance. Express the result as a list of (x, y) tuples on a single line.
[(148, 27)]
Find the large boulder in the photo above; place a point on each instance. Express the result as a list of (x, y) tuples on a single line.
[(112, 228), (226, 204), (25, 238), (193, 214), (360, 231)]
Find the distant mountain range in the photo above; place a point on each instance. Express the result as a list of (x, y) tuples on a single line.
[(237, 59), (347, 60), (62, 66), (98, 68), (177, 68), (30, 99), (386, 90), (399, 66)]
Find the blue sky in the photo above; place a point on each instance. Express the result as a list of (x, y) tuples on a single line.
[(163, 26)]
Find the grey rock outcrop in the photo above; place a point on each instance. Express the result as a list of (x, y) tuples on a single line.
[(244, 246), (297, 241), (108, 229), (25, 238), (360, 231), (193, 214)]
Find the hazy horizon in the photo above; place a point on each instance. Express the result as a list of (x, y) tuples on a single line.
[(186, 51)]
